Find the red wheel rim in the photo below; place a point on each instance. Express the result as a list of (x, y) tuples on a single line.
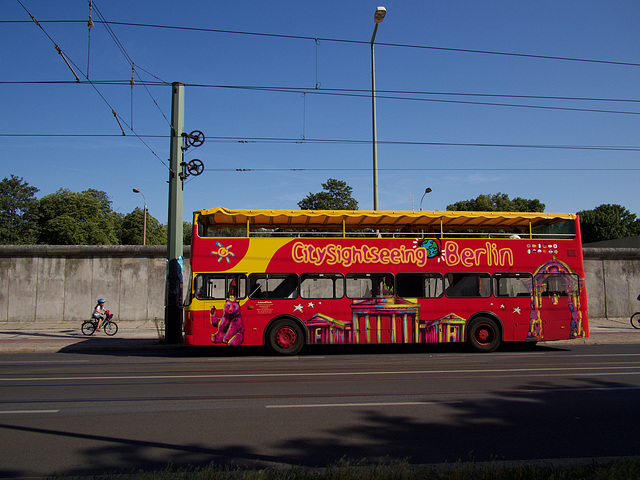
[(286, 337), (484, 334)]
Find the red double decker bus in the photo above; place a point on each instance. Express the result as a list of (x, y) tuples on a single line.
[(286, 279)]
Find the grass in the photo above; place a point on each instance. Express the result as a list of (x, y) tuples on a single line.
[(625, 469)]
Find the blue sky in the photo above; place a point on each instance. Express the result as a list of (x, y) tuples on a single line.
[(65, 135)]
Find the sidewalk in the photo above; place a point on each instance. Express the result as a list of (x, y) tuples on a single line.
[(67, 337)]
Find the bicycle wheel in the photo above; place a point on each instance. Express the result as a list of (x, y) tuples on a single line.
[(635, 320), (110, 328), (88, 327)]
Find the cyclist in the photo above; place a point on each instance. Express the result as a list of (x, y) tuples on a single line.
[(99, 312)]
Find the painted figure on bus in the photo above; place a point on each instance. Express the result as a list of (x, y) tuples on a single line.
[(230, 325)]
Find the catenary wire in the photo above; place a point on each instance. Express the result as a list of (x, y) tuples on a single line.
[(281, 140), (338, 40), (69, 61), (382, 94), (128, 58)]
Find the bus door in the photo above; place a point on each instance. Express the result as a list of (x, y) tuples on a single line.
[(556, 300), (220, 295)]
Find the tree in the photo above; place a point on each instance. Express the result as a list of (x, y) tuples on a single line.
[(187, 233), (608, 222), (498, 202), (132, 225), (70, 218), (336, 195), (18, 212)]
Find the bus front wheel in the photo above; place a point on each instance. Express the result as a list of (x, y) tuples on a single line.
[(483, 335), (285, 337)]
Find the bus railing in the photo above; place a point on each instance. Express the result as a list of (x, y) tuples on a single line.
[(419, 234)]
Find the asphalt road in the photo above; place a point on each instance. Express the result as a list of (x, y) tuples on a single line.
[(81, 414)]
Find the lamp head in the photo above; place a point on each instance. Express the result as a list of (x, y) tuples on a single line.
[(380, 13), (136, 190)]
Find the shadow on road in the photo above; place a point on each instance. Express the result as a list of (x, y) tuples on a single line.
[(536, 420)]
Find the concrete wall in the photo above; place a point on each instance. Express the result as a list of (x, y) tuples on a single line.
[(613, 281), (41, 283), (50, 283)]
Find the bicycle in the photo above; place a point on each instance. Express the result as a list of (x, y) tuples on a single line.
[(635, 318), (109, 326)]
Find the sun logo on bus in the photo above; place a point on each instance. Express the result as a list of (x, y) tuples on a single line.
[(223, 252)]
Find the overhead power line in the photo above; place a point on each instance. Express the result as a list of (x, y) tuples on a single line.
[(363, 42), (481, 169), (282, 140), (385, 94), (118, 119), (350, 41)]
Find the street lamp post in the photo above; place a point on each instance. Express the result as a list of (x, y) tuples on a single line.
[(144, 221), (427, 190), (379, 17)]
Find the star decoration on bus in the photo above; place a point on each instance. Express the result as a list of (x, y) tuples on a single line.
[(223, 252), (517, 310), (300, 306)]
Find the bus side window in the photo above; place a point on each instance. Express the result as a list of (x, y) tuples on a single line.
[(219, 286), (467, 285), (560, 284), (419, 285), (237, 286), (255, 291), (288, 287), (368, 285), (273, 285), (321, 285), (512, 284), (359, 286)]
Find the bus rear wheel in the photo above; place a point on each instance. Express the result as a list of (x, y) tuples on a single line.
[(484, 335), (285, 337)]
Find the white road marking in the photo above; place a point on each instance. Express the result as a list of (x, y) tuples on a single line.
[(12, 412), (370, 404), (536, 370)]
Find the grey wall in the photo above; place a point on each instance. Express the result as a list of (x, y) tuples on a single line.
[(613, 281), (40, 283), (47, 283)]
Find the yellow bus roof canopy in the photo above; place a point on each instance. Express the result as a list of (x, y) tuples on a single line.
[(361, 219)]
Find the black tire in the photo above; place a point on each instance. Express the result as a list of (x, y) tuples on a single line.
[(88, 327), (483, 335), (110, 328), (285, 337), (635, 320)]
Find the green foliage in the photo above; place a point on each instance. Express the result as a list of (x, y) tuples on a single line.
[(336, 195), (132, 226), (18, 212), (498, 202), (187, 233), (608, 222), (70, 218)]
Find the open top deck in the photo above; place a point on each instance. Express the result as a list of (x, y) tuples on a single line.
[(362, 222)]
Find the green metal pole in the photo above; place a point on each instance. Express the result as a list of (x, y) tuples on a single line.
[(173, 303), (373, 118)]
